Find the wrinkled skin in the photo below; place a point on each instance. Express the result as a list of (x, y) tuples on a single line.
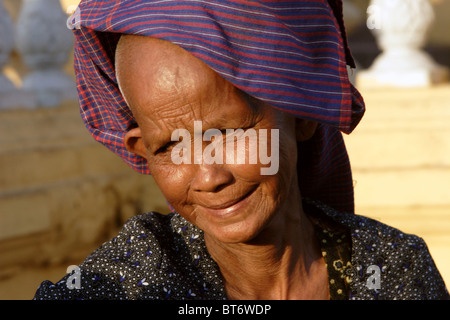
[(254, 224)]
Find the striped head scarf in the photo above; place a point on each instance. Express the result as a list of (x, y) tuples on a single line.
[(291, 54)]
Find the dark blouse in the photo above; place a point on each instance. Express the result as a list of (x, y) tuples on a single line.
[(158, 256)]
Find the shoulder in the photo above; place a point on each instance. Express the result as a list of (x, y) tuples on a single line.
[(154, 256), (403, 262), (119, 268)]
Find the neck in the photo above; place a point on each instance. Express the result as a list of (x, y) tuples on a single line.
[(283, 262)]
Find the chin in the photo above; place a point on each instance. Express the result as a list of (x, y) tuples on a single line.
[(245, 228), (232, 234)]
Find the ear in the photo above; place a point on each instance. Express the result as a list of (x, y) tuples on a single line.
[(304, 129), (134, 142)]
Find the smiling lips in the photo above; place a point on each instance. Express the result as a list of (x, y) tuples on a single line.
[(230, 206)]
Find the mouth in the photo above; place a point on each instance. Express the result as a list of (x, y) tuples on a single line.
[(230, 207)]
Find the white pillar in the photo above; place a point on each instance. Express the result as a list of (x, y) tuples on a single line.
[(7, 88), (401, 28), (45, 44)]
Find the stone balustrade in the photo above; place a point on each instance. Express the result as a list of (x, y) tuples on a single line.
[(44, 44)]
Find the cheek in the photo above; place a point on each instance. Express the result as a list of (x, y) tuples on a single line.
[(278, 158), (280, 183), (173, 181)]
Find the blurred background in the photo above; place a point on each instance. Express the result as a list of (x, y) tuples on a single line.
[(62, 194)]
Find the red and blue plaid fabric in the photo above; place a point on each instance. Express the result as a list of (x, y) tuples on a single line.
[(290, 54)]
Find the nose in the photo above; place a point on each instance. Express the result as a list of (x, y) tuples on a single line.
[(211, 178)]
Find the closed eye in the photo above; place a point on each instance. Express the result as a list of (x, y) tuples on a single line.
[(165, 147)]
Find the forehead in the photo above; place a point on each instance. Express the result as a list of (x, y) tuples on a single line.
[(165, 85)]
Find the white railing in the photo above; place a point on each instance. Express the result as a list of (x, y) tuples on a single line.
[(43, 42)]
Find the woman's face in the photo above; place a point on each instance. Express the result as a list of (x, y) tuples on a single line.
[(168, 89)]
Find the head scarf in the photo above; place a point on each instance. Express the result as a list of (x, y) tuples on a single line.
[(291, 54)]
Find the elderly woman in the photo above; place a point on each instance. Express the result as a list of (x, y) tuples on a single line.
[(149, 69)]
